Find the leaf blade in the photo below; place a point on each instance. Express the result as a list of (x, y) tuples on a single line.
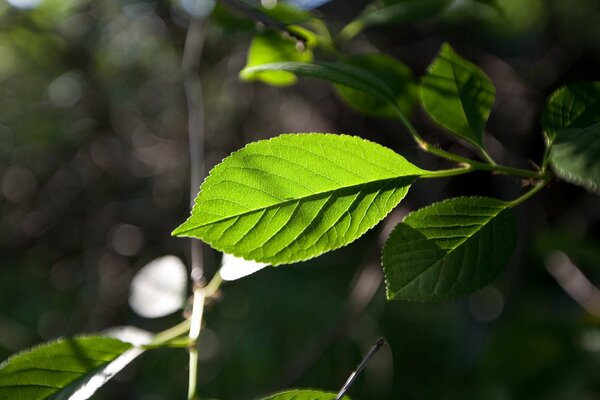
[(458, 95), (437, 253), (295, 196), (574, 156), (51, 368), (303, 394)]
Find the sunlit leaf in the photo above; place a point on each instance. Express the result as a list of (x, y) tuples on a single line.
[(64, 369), (448, 249), (458, 95), (398, 78), (296, 196), (575, 156), (269, 47), (159, 288), (233, 268), (576, 105), (304, 394)]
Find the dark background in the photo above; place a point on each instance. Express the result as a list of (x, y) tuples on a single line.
[(94, 176)]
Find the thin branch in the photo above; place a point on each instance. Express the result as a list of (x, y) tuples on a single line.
[(374, 349)]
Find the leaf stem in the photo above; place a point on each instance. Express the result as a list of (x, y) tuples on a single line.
[(171, 333), (195, 328), (529, 193), (443, 173)]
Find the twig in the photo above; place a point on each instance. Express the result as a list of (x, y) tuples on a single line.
[(374, 349)]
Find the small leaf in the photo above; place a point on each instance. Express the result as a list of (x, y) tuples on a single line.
[(304, 394), (296, 196), (397, 76), (576, 105), (575, 156), (62, 369), (159, 288), (458, 95), (344, 74), (448, 249), (268, 47)]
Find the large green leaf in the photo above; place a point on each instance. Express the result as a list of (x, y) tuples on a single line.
[(296, 196), (398, 78), (448, 249), (58, 369), (576, 105), (458, 95), (575, 156), (344, 74), (304, 394), (268, 47)]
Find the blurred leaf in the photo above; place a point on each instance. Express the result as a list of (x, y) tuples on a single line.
[(343, 74), (395, 12), (268, 47), (296, 196), (576, 105), (575, 156), (63, 368), (448, 249), (287, 14), (304, 394), (234, 268), (159, 288), (398, 78), (458, 95)]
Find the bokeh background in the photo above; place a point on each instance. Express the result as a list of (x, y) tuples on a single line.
[(94, 176)]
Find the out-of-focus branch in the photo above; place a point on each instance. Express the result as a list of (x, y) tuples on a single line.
[(192, 52)]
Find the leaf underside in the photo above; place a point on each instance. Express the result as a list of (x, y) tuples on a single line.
[(304, 394), (575, 156), (458, 95), (448, 249), (296, 196), (48, 370), (576, 105)]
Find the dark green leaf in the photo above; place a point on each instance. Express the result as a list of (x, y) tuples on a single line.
[(458, 95), (448, 249), (398, 78), (58, 369), (296, 196), (576, 105), (303, 394), (269, 47), (575, 156)]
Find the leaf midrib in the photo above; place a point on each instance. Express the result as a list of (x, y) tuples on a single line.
[(291, 201)]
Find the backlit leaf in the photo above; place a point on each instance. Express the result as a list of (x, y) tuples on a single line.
[(448, 249), (398, 78), (576, 105), (575, 156), (304, 394), (62, 369), (458, 95), (269, 47), (296, 196)]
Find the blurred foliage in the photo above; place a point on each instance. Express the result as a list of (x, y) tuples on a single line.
[(93, 178)]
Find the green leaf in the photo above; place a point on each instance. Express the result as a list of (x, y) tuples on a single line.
[(458, 95), (398, 78), (575, 156), (448, 249), (268, 47), (304, 394), (296, 196), (60, 368), (576, 105), (344, 74), (286, 13)]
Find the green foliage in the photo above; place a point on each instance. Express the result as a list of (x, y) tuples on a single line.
[(304, 394), (58, 368), (448, 249), (294, 197), (398, 78), (575, 154), (268, 47), (458, 95), (576, 105)]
